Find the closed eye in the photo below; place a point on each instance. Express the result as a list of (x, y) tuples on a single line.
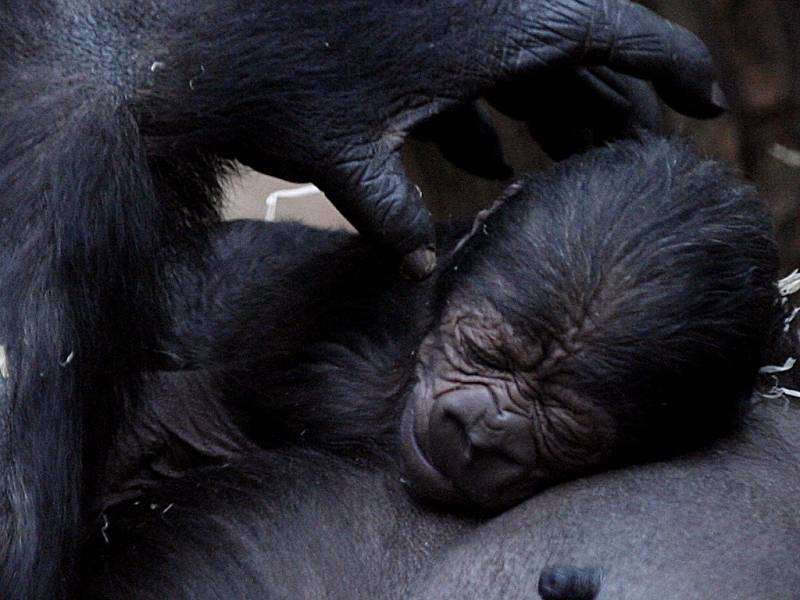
[(480, 357)]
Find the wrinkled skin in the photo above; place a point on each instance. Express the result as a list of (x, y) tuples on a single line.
[(477, 419)]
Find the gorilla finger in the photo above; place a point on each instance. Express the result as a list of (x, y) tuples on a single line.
[(571, 109), (624, 94), (602, 103), (674, 97), (556, 107), (619, 107), (578, 93), (466, 137), (631, 39), (376, 196)]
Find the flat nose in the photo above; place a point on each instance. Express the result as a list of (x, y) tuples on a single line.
[(486, 453)]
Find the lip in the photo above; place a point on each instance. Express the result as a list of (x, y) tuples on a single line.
[(424, 479)]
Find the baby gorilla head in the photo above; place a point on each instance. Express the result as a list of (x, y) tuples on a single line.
[(612, 310)]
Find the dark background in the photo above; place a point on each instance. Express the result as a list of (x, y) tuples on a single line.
[(757, 46)]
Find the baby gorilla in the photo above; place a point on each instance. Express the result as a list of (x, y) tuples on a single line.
[(609, 311), (599, 314)]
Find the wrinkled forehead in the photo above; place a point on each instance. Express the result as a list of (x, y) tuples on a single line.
[(506, 234), (493, 263)]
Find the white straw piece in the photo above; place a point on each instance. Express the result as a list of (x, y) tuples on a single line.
[(298, 192), (789, 284), (770, 369)]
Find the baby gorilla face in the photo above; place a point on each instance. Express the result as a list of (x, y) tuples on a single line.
[(489, 424), (614, 309)]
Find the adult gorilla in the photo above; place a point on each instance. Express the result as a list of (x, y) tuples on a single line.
[(117, 118)]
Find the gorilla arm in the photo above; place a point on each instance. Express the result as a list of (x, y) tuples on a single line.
[(295, 95)]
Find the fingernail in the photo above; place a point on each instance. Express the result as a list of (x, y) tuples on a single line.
[(419, 264), (718, 96)]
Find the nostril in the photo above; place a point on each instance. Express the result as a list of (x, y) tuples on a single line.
[(450, 446)]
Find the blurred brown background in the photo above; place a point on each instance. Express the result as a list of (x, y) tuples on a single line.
[(757, 47)]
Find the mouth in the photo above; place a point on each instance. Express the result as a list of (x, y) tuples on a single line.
[(424, 479)]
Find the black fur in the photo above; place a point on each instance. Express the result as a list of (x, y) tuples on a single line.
[(274, 443), (116, 122)]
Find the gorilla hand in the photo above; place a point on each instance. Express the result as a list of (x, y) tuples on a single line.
[(592, 106), (344, 82)]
